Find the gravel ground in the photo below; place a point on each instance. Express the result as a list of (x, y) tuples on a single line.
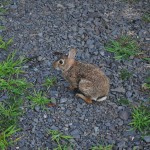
[(42, 27)]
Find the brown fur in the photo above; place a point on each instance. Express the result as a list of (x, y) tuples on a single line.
[(89, 79)]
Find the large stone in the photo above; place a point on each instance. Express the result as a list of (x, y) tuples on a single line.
[(119, 90), (146, 139), (124, 115)]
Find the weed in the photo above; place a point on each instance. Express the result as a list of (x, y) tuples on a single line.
[(123, 101), (14, 86), (49, 82), (39, 99), (124, 74), (2, 10), (2, 28), (100, 147), (146, 17), (146, 85), (123, 47), (4, 45), (9, 114), (10, 66), (9, 111), (147, 59), (59, 138), (141, 118), (5, 135)]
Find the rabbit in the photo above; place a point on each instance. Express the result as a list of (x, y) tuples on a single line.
[(87, 78)]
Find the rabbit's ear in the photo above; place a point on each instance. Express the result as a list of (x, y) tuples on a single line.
[(72, 53)]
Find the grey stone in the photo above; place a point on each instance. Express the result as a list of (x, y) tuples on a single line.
[(60, 6), (53, 127), (129, 94), (75, 133), (102, 53), (54, 93), (40, 34), (35, 69), (121, 144), (146, 139), (68, 112), (120, 122), (124, 115), (90, 42), (37, 108), (70, 5), (40, 58), (96, 129), (108, 124), (49, 120), (63, 100), (119, 90), (35, 120), (53, 100)]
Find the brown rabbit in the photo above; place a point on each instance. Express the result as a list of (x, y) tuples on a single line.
[(87, 78)]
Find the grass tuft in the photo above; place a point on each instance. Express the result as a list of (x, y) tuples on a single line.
[(49, 82), (14, 86), (146, 85), (123, 101), (124, 74), (147, 59), (146, 17), (141, 118), (59, 138), (123, 47), (13, 89), (2, 28), (5, 135), (2, 10), (100, 147), (4, 45), (38, 98), (10, 66)]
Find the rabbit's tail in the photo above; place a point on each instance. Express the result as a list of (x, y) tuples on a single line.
[(101, 98)]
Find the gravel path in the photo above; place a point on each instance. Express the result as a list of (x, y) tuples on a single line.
[(41, 27)]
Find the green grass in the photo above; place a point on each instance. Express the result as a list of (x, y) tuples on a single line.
[(10, 66), (123, 47), (141, 118), (49, 82), (14, 86), (5, 44), (123, 101), (2, 28), (9, 114), (38, 98), (5, 135), (147, 59), (146, 85), (146, 17), (59, 138), (124, 74), (2, 10), (100, 147), (5, 3)]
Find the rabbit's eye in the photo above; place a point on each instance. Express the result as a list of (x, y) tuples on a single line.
[(61, 62)]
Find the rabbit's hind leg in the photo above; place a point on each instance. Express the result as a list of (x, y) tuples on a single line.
[(86, 99)]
